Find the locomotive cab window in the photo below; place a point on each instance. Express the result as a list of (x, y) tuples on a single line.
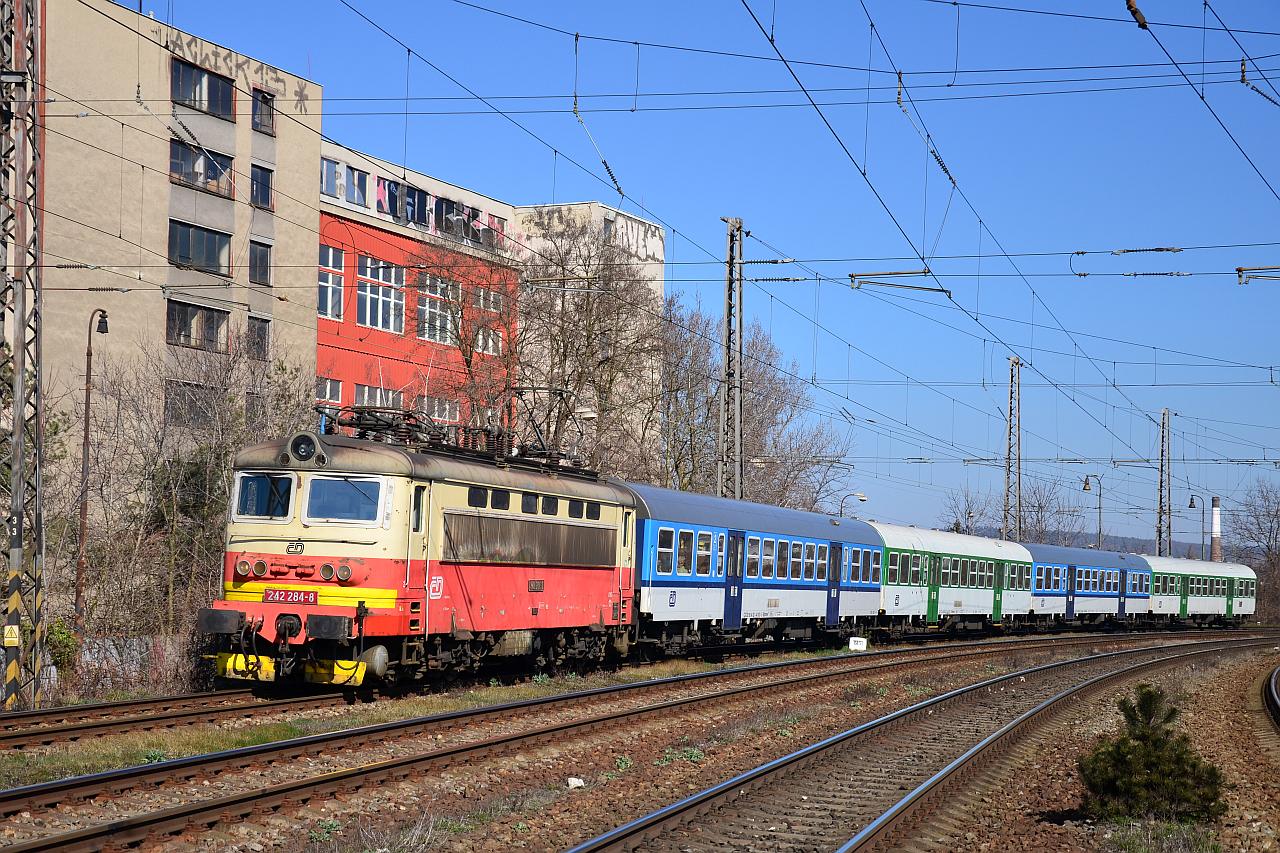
[(576, 509), (264, 496), (478, 497), (500, 499), (666, 550), (528, 503), (343, 500), (419, 496)]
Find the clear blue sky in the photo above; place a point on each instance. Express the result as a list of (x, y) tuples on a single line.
[(1138, 167)]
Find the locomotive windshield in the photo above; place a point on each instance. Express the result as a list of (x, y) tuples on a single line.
[(260, 495), (344, 499)]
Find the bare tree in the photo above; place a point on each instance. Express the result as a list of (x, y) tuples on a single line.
[(793, 460), (968, 510), (1254, 537), (591, 327), (165, 425), (1049, 516)]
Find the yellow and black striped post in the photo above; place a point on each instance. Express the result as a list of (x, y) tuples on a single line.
[(13, 638)]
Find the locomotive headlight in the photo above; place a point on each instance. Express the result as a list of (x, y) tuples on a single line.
[(242, 568), (259, 568), (303, 448), (326, 572), (344, 573)]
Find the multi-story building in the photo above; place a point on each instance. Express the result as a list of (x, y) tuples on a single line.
[(417, 291), (183, 174)]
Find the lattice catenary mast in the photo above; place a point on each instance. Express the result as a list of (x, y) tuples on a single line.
[(1011, 523), (22, 413), (729, 441)]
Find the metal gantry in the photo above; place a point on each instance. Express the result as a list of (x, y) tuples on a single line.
[(22, 414), (729, 442)]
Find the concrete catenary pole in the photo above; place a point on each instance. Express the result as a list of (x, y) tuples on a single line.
[(1215, 539)]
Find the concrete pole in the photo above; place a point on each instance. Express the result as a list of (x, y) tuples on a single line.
[(1215, 540)]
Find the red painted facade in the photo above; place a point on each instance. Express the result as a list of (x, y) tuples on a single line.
[(381, 339)]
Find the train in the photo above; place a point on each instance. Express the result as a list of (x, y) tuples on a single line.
[(380, 558)]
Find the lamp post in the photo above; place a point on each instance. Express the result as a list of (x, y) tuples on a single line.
[(1098, 479), (100, 315), (859, 495), (1192, 505)]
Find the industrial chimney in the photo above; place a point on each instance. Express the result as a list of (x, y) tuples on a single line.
[(1215, 542)]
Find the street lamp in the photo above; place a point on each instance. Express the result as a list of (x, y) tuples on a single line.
[(1098, 479), (859, 495), (1192, 505), (100, 315)]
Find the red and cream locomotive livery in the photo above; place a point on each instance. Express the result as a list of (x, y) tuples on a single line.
[(350, 561)]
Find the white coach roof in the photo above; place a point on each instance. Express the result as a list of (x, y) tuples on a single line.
[(938, 541), (1179, 566)]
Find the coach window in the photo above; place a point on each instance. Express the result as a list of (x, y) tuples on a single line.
[(766, 561), (893, 567), (576, 508), (704, 554), (721, 557), (593, 511), (753, 556), (500, 499), (808, 561), (797, 559), (915, 569), (528, 503), (419, 492), (822, 562), (855, 566), (478, 497), (666, 550), (876, 562), (550, 505), (684, 553), (964, 572), (784, 555)]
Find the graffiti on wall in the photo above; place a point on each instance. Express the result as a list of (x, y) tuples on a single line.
[(246, 71)]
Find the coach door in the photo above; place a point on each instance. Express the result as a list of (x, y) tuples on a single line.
[(733, 582), (417, 564), (1231, 598), (1184, 584), (1071, 592), (835, 565), (933, 565), (1124, 590), (997, 593)]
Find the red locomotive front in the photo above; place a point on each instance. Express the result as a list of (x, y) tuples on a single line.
[(351, 561)]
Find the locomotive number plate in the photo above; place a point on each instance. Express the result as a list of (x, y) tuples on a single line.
[(289, 596)]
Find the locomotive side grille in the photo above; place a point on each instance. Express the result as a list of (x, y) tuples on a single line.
[(485, 539)]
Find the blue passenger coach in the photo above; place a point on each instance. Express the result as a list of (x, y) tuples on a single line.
[(1083, 584), (709, 566)]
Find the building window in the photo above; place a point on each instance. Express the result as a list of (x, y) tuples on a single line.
[(257, 338), (200, 168), (329, 302), (202, 90), (440, 410), (329, 390), (389, 197), (264, 111), (417, 207), (357, 187), (488, 300), (436, 299), (259, 263), (495, 236), (199, 248), (372, 395), (195, 326), (329, 176), (489, 341), (260, 186), (189, 403), (380, 301)]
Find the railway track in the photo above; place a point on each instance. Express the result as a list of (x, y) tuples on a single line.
[(475, 734), (854, 781), (169, 714), (1271, 695), (71, 723)]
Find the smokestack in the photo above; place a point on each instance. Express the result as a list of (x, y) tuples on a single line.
[(1215, 542)]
